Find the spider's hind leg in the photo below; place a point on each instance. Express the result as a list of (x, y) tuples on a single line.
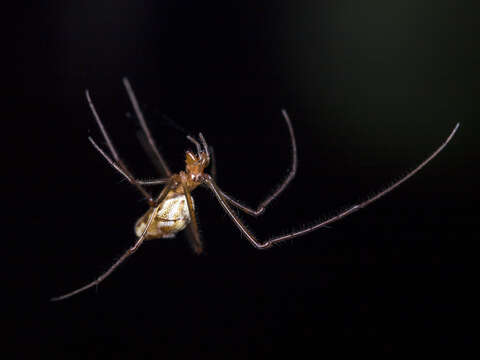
[(126, 254)]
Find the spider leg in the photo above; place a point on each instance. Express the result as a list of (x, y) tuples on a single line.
[(142, 138), (204, 143), (121, 171), (259, 245), (122, 258), (110, 270), (193, 234), (261, 208), (143, 124), (152, 182), (208, 181), (196, 143), (118, 163)]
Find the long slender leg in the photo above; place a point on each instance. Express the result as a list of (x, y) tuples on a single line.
[(261, 208), (224, 203), (152, 182), (204, 143), (196, 143), (259, 245), (118, 163), (142, 138), (194, 236), (143, 124), (127, 175), (109, 271), (129, 252), (122, 171)]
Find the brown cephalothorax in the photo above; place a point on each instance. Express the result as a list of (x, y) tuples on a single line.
[(173, 209)]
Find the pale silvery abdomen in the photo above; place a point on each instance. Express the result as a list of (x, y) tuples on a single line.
[(172, 217)]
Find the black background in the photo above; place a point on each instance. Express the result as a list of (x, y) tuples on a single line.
[(372, 88)]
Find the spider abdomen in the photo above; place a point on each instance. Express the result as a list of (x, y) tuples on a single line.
[(172, 217)]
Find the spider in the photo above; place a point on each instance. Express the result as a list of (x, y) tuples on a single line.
[(173, 209)]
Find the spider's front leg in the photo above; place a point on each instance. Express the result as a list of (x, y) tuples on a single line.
[(293, 170), (210, 183)]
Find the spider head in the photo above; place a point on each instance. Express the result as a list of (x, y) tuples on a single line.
[(195, 164)]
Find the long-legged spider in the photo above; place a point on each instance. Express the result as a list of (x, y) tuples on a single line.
[(173, 209)]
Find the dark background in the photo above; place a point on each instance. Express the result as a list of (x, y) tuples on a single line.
[(372, 88)]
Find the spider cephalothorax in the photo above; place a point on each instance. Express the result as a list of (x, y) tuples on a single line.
[(173, 209), (195, 164)]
